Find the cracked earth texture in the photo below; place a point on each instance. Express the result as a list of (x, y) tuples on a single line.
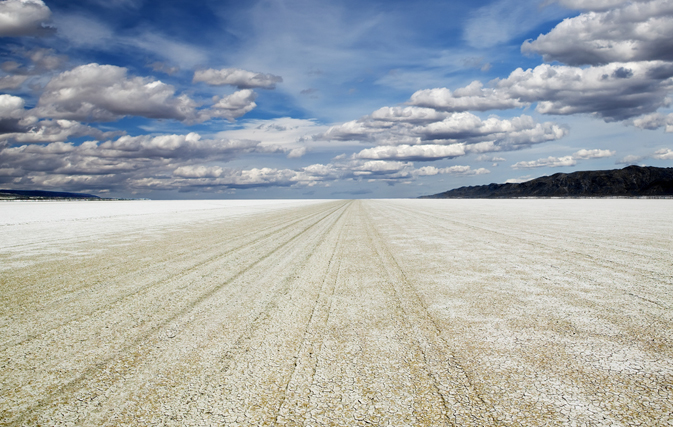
[(350, 313)]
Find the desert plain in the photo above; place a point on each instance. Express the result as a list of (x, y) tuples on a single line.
[(325, 313)]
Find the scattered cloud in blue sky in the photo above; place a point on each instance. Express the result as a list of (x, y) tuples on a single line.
[(299, 98)]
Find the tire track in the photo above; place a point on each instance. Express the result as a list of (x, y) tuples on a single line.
[(290, 410), (255, 324), (435, 221), (589, 262), (575, 259), (115, 310), (52, 267), (84, 273), (130, 357), (571, 259), (348, 313), (581, 377), (462, 400), (370, 369), (217, 258), (241, 351)]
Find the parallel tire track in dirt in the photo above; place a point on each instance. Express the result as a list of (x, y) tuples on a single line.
[(343, 313), (125, 352), (464, 405), (580, 246), (114, 283), (511, 287)]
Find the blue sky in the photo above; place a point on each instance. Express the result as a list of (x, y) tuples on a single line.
[(324, 99)]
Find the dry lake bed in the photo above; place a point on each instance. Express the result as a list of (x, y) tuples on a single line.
[(320, 313)]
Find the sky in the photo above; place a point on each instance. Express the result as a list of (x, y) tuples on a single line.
[(206, 99)]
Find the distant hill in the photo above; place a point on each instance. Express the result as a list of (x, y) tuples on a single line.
[(41, 195), (632, 181)]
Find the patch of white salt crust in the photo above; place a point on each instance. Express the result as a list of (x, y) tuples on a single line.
[(372, 312)]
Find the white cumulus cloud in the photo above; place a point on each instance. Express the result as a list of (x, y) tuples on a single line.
[(11, 107), (616, 91), (592, 154), (185, 147), (629, 159), (12, 113), (31, 130), (296, 153), (638, 31), (655, 121), (127, 163), (405, 127), (102, 93), (473, 97), (24, 18), (550, 161), (663, 154), (413, 115), (242, 79), (454, 170), (96, 92), (556, 162), (412, 152), (18, 125), (233, 106), (198, 171)]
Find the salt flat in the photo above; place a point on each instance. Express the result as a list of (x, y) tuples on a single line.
[(376, 312)]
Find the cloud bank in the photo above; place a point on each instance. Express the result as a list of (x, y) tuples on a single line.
[(416, 133), (183, 163)]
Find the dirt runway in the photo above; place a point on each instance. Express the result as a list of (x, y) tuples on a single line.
[(376, 312)]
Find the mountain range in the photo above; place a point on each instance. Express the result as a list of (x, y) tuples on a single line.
[(631, 181)]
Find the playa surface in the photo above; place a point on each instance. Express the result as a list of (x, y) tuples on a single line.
[(320, 313)]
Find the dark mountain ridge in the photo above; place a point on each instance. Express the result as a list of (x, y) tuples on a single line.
[(631, 181), (41, 195)]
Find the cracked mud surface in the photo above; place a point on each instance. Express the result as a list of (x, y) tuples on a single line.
[(377, 312)]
